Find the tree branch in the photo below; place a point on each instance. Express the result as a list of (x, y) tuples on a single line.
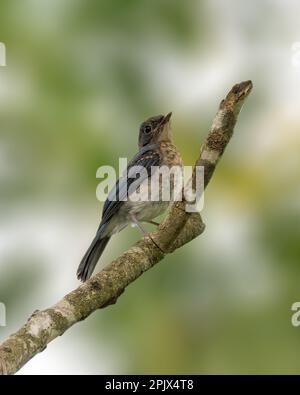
[(104, 288)]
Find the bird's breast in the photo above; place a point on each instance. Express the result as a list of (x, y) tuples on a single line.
[(155, 193), (170, 156)]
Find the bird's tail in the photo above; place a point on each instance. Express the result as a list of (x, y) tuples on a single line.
[(91, 257)]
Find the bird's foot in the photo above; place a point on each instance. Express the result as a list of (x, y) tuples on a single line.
[(152, 223), (136, 223)]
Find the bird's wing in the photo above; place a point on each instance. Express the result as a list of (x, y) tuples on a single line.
[(146, 157)]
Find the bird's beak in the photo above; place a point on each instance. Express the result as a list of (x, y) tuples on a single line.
[(164, 128), (166, 118)]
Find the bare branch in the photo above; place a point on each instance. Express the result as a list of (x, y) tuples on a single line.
[(104, 288)]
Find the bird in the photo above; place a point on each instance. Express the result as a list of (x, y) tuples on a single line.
[(155, 149)]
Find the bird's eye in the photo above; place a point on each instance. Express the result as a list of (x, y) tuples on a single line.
[(147, 129)]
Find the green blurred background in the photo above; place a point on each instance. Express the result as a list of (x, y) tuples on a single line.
[(81, 75)]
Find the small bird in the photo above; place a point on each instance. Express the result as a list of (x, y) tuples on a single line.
[(156, 148)]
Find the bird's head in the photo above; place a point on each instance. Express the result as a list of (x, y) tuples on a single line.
[(155, 129)]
